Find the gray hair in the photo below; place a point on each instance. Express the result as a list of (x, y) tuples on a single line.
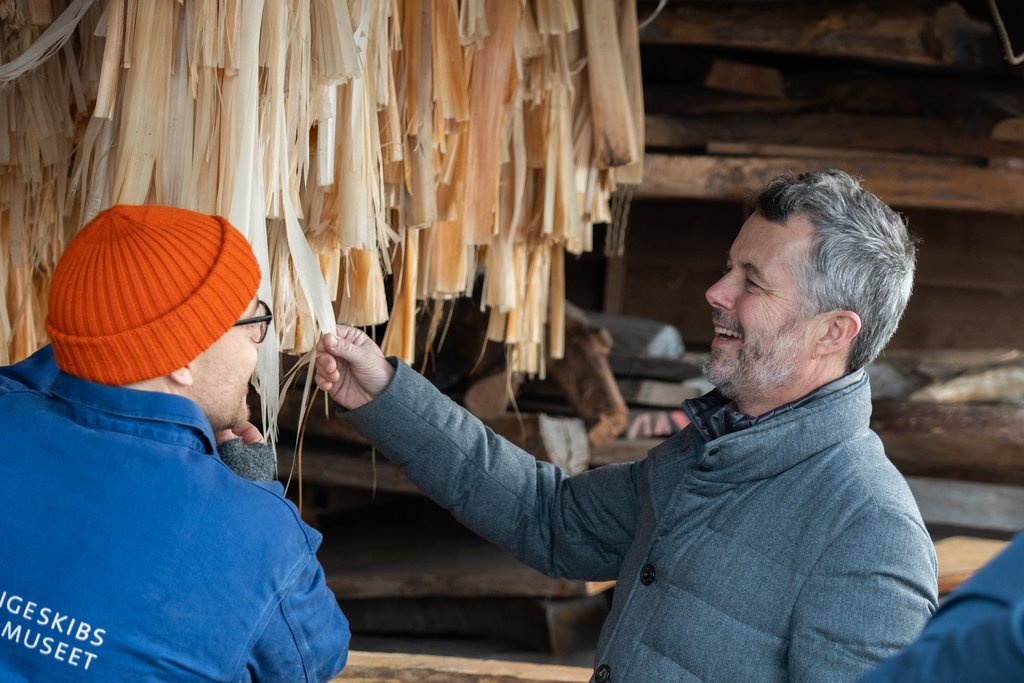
[(862, 257)]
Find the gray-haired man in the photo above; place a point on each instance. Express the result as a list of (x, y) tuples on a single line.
[(770, 540)]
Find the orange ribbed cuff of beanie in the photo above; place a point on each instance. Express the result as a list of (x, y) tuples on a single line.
[(143, 290)]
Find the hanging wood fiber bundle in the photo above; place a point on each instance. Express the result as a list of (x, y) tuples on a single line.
[(345, 139)]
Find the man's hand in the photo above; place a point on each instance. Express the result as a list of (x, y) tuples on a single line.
[(246, 431), (351, 368)]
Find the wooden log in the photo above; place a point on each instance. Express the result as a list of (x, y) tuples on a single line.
[(880, 133), (664, 369), (586, 378), (946, 36), (972, 442), (394, 667), (1005, 383), (491, 395), (961, 556), (637, 336), (903, 185), (992, 507), (562, 441)]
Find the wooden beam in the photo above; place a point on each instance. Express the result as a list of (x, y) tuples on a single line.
[(894, 33), (406, 561), (391, 667), (906, 134), (899, 184), (976, 105)]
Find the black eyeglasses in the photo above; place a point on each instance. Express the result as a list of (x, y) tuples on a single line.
[(262, 321)]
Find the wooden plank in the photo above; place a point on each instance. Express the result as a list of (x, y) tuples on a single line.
[(768, 149), (391, 667), (899, 184), (906, 34), (880, 133), (976, 105), (649, 392), (968, 504), (390, 560), (622, 450), (760, 81), (554, 625), (961, 318), (666, 369), (961, 556)]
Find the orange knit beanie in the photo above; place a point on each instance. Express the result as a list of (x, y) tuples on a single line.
[(143, 290)]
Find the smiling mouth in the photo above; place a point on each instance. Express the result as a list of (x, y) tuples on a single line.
[(726, 332)]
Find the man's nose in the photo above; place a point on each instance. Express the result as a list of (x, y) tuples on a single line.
[(719, 295)]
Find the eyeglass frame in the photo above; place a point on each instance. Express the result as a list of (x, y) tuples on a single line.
[(262, 320)]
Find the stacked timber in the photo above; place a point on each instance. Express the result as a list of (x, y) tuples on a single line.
[(916, 99)]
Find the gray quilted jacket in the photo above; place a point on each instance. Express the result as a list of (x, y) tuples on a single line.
[(789, 551)]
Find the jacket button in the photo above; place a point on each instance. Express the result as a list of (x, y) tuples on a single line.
[(647, 574), (603, 674)]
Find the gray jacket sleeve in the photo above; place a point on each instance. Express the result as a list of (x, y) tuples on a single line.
[(887, 597), (578, 527)]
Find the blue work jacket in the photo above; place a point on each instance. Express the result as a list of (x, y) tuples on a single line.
[(130, 552)]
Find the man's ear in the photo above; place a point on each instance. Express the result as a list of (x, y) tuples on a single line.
[(836, 332), (181, 377)]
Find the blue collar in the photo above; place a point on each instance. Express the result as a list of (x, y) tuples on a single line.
[(146, 414)]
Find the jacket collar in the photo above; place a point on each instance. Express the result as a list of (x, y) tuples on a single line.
[(146, 414), (714, 415), (774, 442)]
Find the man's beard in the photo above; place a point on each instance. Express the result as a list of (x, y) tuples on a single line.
[(758, 366), (224, 416)]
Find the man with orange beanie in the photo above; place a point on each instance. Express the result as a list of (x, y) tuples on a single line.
[(131, 550)]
